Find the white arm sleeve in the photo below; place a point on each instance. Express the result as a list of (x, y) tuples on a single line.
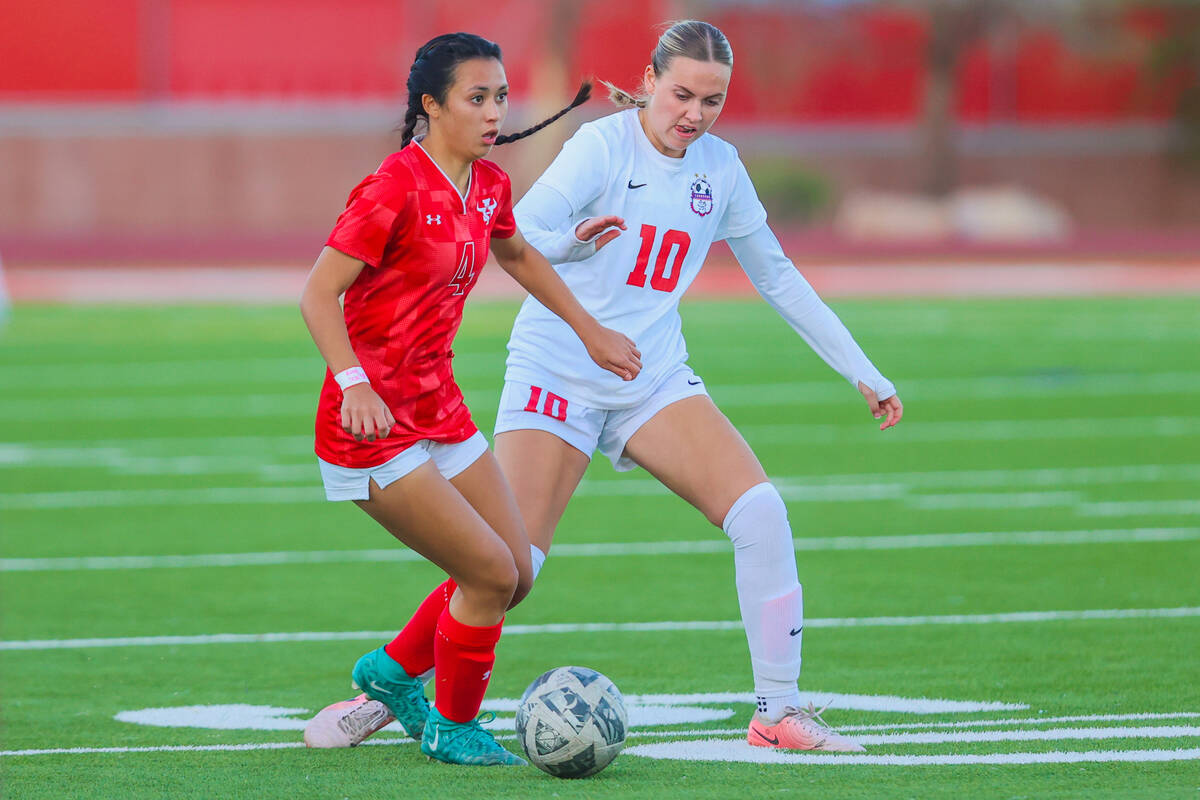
[(551, 210), (785, 290), (545, 219)]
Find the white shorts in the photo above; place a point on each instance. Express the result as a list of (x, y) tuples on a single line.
[(525, 406), (346, 483)]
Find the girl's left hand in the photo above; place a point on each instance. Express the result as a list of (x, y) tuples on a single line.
[(892, 408)]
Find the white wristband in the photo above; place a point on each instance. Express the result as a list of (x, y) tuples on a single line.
[(349, 377)]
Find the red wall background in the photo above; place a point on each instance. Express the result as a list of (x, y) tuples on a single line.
[(860, 64)]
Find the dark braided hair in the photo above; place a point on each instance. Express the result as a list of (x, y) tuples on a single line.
[(585, 91), (432, 74)]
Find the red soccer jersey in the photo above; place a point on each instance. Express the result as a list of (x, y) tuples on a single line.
[(424, 245)]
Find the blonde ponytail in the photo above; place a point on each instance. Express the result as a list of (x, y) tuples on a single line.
[(623, 99), (689, 38)]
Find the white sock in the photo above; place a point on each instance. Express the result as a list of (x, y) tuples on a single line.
[(769, 595), (538, 558)]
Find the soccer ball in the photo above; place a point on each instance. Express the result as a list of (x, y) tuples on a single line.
[(571, 722)]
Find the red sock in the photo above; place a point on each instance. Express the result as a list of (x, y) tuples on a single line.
[(412, 649), (465, 655)]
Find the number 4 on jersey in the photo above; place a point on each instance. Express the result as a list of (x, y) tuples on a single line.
[(673, 242), (466, 268)]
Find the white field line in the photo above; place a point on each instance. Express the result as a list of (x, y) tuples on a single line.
[(307, 374), (1139, 507), (710, 753), (965, 736), (179, 458), (199, 372), (1006, 430), (909, 726), (980, 388), (615, 627), (725, 750), (993, 500), (1054, 734), (710, 749), (989, 723), (610, 549), (125, 407), (179, 748), (312, 493), (276, 404), (162, 497)]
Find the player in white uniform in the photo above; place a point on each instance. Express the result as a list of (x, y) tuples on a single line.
[(627, 213)]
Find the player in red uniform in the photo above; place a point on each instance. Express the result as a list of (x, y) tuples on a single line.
[(392, 431)]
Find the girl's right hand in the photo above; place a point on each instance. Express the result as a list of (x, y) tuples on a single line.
[(585, 230), (614, 351), (364, 414)]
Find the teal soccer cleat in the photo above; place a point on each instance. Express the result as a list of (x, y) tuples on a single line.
[(465, 742), (382, 679)]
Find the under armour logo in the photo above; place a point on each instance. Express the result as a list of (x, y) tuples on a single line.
[(433, 219), (487, 207)]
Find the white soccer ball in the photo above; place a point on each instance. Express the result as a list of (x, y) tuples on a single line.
[(572, 722)]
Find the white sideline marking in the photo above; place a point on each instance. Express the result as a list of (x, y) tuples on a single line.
[(1053, 734), (614, 627), (306, 373), (162, 497), (713, 750), (979, 430), (254, 455), (906, 726), (992, 500), (1139, 507), (610, 549), (965, 736), (984, 723), (740, 751), (310, 493), (177, 748), (988, 386)]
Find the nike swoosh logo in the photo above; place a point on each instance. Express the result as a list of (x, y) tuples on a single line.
[(633, 185), (436, 733), (796, 631), (694, 383), (768, 739), (379, 688)]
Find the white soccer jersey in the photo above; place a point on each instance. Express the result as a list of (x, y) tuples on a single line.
[(674, 209)]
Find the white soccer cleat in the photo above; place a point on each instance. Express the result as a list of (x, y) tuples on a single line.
[(346, 724), (800, 729)]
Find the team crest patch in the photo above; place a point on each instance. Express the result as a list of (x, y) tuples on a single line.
[(487, 207), (702, 196)]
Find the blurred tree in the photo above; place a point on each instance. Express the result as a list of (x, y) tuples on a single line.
[(953, 26), (1175, 57)]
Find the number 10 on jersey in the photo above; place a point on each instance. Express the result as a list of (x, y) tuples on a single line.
[(674, 247)]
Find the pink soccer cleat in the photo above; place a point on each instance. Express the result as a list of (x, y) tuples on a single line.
[(800, 729), (346, 724)]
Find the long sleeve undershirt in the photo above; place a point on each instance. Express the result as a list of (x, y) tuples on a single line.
[(786, 290), (546, 219)]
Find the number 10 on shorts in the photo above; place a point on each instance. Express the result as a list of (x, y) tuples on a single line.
[(554, 406)]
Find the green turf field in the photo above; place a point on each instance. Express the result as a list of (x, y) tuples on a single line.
[(1023, 549)]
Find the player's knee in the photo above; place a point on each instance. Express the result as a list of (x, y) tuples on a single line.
[(524, 586), (525, 583), (495, 577), (758, 519)]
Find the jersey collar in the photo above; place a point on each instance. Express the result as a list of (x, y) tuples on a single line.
[(450, 183)]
